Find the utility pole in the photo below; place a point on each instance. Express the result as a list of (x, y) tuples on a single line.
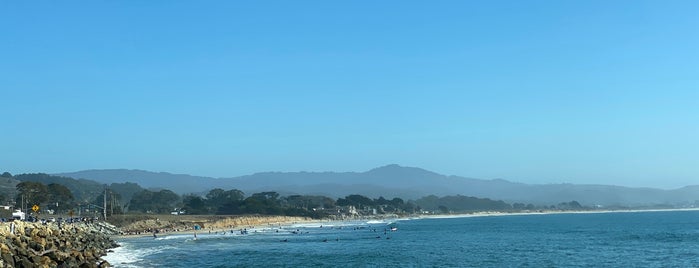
[(104, 207)]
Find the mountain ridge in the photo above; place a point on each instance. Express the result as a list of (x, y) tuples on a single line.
[(395, 180)]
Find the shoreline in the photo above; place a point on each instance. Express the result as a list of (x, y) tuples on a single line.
[(132, 254), (545, 212), (223, 224), (217, 226)]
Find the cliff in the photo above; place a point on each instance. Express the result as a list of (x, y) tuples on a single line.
[(166, 224)]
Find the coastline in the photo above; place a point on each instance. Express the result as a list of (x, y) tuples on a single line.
[(207, 225), (130, 252), (544, 212), (229, 223)]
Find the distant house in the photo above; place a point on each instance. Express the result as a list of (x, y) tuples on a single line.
[(177, 212), (352, 211)]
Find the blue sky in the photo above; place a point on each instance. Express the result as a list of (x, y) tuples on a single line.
[(601, 92)]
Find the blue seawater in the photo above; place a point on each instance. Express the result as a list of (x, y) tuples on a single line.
[(630, 239)]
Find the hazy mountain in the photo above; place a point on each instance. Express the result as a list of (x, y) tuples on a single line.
[(179, 183), (7, 189), (398, 181)]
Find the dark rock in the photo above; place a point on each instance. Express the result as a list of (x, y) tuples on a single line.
[(7, 258), (36, 245)]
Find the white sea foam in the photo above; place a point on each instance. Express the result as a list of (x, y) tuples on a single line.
[(126, 257), (171, 237), (129, 255), (305, 225)]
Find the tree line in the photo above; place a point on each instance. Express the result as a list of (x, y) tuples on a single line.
[(50, 192)]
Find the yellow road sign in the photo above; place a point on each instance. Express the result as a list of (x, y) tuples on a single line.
[(35, 208)]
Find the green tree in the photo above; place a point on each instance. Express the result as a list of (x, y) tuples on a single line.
[(222, 201), (356, 200), (166, 201), (126, 190), (60, 196), (460, 203), (147, 201), (309, 202), (381, 201), (397, 202), (142, 201), (215, 196), (6, 175), (83, 190), (194, 204), (34, 193), (230, 202), (263, 203)]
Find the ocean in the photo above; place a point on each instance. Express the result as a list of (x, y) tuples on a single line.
[(618, 239)]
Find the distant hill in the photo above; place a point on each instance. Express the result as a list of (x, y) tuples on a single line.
[(84, 190), (179, 183), (399, 181), (7, 189)]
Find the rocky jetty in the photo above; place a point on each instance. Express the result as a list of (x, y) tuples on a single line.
[(25, 244)]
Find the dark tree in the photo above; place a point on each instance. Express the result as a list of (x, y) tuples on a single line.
[(147, 201), (60, 196), (34, 193), (125, 190), (356, 200), (224, 202), (194, 204), (381, 201), (397, 202)]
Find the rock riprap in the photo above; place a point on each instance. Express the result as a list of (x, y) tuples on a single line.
[(26, 244)]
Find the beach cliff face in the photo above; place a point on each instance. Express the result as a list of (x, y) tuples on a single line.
[(166, 225), (25, 244)]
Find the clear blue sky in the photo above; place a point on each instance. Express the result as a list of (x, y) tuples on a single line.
[(603, 92)]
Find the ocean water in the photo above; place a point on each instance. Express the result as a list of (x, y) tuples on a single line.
[(629, 239)]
